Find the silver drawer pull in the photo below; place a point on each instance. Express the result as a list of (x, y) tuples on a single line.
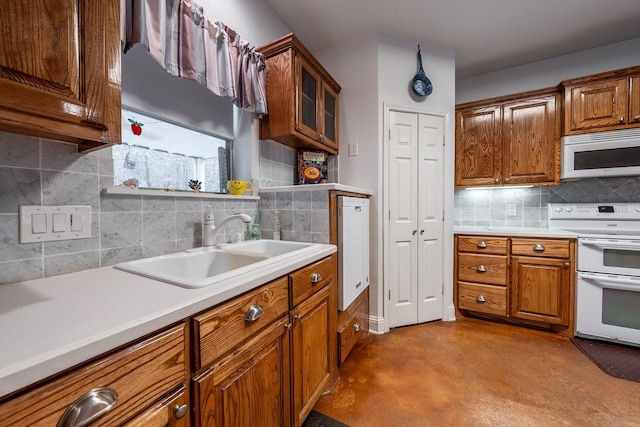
[(89, 407), (254, 313), (480, 299), (315, 278), (482, 244), (180, 411), (538, 247), (636, 117), (481, 269), (356, 327)]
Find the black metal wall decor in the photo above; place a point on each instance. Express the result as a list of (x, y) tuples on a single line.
[(421, 84)]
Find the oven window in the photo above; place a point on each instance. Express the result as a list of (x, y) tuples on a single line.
[(621, 258), (620, 308), (612, 158)]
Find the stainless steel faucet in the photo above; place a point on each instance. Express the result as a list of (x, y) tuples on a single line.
[(210, 231)]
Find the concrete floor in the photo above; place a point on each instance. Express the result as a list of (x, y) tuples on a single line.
[(476, 373)]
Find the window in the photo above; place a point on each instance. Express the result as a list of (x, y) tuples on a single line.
[(162, 154)]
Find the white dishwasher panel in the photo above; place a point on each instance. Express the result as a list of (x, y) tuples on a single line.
[(353, 248)]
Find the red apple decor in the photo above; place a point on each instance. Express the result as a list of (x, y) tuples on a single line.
[(136, 127)]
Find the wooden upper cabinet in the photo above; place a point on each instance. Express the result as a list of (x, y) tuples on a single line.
[(60, 70), (302, 98), (531, 140), (600, 102), (512, 140), (478, 155)]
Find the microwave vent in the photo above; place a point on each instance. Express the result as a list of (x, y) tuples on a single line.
[(621, 134)]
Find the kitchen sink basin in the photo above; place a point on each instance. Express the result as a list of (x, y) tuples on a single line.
[(202, 267)]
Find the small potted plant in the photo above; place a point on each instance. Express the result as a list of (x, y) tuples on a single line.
[(195, 185)]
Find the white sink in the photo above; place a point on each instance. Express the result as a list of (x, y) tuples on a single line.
[(202, 267)]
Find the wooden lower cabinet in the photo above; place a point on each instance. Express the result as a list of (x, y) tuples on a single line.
[(526, 281), (140, 375), (310, 352), (539, 289), (250, 386), (272, 370)]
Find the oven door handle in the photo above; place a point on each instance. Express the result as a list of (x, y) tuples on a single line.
[(618, 244), (617, 281)]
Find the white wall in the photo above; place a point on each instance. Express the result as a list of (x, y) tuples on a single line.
[(550, 72), (375, 70)]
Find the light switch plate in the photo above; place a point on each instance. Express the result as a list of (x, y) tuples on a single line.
[(55, 217)]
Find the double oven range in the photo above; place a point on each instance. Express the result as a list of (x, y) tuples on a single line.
[(608, 267)]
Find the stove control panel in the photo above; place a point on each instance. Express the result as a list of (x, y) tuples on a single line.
[(594, 211)]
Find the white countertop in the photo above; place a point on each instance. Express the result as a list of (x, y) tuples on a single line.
[(48, 325), (514, 231), (316, 187)]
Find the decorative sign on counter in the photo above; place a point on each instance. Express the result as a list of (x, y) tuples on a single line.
[(312, 167)]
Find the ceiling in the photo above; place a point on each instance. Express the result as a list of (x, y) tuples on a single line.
[(486, 35)]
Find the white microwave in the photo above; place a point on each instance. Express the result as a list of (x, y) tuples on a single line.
[(601, 154)]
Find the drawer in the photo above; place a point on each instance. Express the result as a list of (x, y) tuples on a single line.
[(347, 338), (141, 375), (222, 328), (491, 269), (305, 282), (541, 247), (483, 244), (482, 298)]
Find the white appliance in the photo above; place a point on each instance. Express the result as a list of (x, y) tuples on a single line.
[(608, 273), (353, 248), (601, 154)]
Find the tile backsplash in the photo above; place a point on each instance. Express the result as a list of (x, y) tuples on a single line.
[(527, 207), (35, 171)]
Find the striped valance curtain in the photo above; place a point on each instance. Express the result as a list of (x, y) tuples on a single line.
[(188, 45)]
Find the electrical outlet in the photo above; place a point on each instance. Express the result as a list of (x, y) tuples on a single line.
[(512, 210)]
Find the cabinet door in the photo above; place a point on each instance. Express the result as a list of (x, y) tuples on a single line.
[(310, 352), (478, 133), (60, 70), (308, 95), (540, 289), (598, 105), (531, 141), (329, 117), (634, 101), (250, 386)]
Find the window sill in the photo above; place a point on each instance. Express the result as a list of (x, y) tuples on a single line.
[(126, 191)]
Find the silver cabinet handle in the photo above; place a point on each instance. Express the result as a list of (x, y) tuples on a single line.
[(480, 299), (316, 278), (481, 269), (506, 180), (89, 407), (538, 247), (482, 244), (288, 326), (621, 119), (254, 313), (180, 411), (298, 317), (636, 117), (356, 327)]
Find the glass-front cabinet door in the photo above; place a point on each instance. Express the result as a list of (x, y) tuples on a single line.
[(330, 117), (307, 100)]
